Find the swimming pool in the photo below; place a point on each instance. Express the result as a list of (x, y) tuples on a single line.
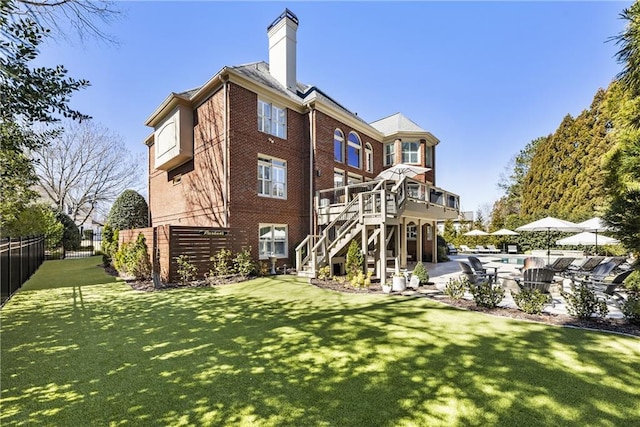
[(512, 260)]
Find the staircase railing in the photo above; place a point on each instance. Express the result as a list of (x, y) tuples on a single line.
[(303, 250)]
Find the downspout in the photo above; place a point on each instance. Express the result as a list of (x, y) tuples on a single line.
[(312, 146), (225, 151)]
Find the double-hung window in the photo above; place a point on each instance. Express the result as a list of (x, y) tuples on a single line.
[(389, 154), (272, 177), (368, 157), (411, 152), (272, 119), (272, 240)]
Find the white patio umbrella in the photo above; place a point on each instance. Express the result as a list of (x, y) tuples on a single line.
[(396, 172), (504, 232), (595, 224), (587, 239), (549, 224), (476, 233)]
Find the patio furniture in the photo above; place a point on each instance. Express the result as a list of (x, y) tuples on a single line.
[(536, 278), (561, 264), (598, 274), (452, 249), (481, 249), (609, 288), (492, 249), (474, 277), (465, 248), (587, 265), (533, 262), (477, 266), (512, 249)]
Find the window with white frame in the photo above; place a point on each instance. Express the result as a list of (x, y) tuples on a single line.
[(412, 231), (368, 157), (272, 119), (389, 154), (428, 156), (354, 148), (354, 179), (272, 240), (338, 146), (410, 152), (338, 178), (272, 177), (413, 190)]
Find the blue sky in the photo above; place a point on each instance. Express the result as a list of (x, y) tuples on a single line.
[(484, 77)]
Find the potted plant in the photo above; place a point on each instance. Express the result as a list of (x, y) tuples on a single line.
[(386, 288), (399, 282)]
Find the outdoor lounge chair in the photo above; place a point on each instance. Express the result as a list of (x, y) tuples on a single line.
[(609, 288), (477, 266), (452, 249), (512, 249), (598, 274), (561, 264), (492, 249), (474, 277), (587, 265), (536, 278), (481, 249), (465, 248)]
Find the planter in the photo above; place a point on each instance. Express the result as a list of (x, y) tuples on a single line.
[(399, 283), (386, 288)]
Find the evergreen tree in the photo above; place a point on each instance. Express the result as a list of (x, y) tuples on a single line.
[(129, 211)]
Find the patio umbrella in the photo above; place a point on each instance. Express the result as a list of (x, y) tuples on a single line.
[(397, 172), (586, 239), (476, 233), (504, 232), (549, 224), (595, 224)]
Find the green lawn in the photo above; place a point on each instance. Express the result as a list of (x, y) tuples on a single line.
[(276, 351)]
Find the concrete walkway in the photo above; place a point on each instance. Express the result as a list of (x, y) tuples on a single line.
[(440, 274)]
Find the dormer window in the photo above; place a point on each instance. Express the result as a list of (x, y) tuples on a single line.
[(272, 119), (411, 152)]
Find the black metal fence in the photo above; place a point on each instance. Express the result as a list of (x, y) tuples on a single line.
[(90, 244), (19, 259)]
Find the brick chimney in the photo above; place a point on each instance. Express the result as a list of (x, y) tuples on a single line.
[(282, 49)]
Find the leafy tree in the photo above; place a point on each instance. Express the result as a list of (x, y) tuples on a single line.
[(129, 211), (354, 261), (36, 220), (71, 234)]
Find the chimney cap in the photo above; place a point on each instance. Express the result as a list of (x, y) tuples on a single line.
[(286, 14)]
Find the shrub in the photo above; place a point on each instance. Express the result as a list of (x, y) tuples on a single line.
[(133, 259), (71, 234), (583, 302), (631, 308), (355, 260), (186, 270), (130, 210), (324, 273), (109, 244), (421, 273), (455, 288), (360, 280), (263, 269), (222, 264), (531, 301), (487, 294), (243, 263)]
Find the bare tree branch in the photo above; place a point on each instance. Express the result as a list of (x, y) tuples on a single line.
[(85, 169)]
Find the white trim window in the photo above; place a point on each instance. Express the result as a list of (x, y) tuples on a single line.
[(338, 146), (272, 177), (411, 152), (272, 119), (272, 240), (389, 154), (368, 157), (428, 154), (412, 231), (354, 148), (338, 178), (352, 179)]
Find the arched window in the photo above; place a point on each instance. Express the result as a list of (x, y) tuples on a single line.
[(368, 156), (353, 150), (338, 146)]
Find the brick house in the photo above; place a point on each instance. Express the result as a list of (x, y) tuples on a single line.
[(289, 171)]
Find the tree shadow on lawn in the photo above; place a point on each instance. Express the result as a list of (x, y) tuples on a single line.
[(279, 352)]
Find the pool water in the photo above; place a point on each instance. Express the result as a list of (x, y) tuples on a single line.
[(516, 261)]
